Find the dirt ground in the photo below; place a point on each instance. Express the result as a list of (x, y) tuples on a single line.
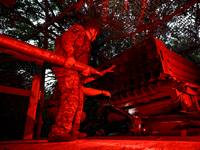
[(108, 143)]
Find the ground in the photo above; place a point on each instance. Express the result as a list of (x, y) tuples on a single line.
[(108, 143)]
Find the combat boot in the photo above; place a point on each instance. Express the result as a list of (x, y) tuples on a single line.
[(62, 138), (78, 134)]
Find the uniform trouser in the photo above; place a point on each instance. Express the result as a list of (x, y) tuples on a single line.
[(71, 105)]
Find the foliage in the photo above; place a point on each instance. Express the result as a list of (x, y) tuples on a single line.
[(27, 20), (17, 75), (115, 17)]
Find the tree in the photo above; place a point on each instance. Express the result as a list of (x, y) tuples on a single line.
[(127, 22), (28, 21)]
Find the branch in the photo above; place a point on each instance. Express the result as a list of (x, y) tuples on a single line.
[(192, 48), (191, 58), (156, 23), (59, 28), (51, 10), (57, 18), (22, 19), (40, 5), (60, 2)]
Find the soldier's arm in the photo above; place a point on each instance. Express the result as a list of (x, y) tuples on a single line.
[(93, 92), (67, 45), (94, 77)]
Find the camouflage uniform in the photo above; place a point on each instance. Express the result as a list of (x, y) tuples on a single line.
[(73, 42), (53, 104)]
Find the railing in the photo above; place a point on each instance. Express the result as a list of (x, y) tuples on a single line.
[(34, 93)]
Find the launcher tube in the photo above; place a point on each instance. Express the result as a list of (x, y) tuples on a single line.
[(43, 54)]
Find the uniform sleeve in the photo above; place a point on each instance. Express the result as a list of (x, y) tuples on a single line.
[(68, 44), (73, 39)]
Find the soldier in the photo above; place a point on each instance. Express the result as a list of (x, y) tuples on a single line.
[(75, 45)]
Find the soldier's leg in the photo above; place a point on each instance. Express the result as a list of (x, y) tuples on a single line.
[(68, 106), (53, 103), (77, 117)]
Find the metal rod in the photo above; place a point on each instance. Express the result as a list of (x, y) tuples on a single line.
[(33, 51), (41, 104)]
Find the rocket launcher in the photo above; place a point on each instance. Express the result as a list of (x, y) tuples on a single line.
[(150, 79)]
